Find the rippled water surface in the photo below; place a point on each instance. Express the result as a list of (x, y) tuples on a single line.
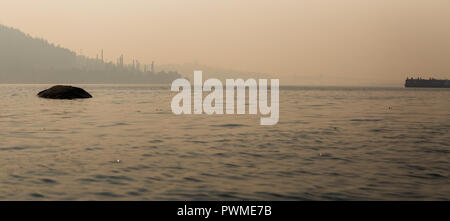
[(125, 144)]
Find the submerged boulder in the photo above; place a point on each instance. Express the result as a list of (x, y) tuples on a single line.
[(64, 92)]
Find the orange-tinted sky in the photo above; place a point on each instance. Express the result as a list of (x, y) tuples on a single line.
[(378, 41)]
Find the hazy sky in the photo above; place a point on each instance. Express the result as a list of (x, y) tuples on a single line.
[(378, 41)]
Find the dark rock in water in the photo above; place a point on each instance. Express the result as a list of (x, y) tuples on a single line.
[(64, 92)]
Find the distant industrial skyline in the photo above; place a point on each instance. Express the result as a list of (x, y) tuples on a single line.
[(119, 62), (25, 59), (348, 42)]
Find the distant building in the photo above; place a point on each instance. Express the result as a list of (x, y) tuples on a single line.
[(153, 67), (138, 65)]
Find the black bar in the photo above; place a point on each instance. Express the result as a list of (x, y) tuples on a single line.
[(242, 210)]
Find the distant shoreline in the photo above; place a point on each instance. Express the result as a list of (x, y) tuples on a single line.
[(281, 86)]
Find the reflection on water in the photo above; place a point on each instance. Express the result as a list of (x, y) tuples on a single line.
[(125, 144)]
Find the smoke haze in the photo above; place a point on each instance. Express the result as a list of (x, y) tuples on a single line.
[(321, 42)]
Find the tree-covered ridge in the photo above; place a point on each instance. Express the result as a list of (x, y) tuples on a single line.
[(20, 51)]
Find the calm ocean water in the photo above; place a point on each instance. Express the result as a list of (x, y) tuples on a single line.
[(125, 144)]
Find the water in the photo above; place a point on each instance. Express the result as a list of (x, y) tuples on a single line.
[(125, 144)]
